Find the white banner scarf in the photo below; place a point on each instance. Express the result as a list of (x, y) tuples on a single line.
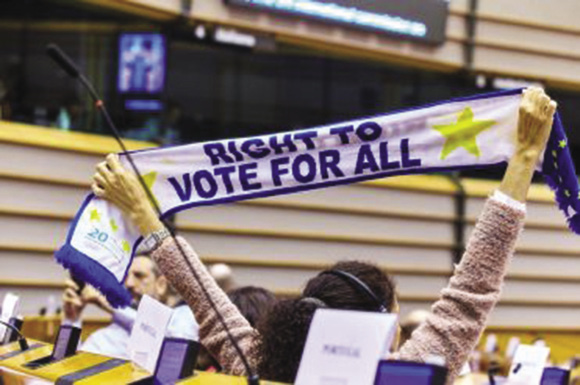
[(459, 134)]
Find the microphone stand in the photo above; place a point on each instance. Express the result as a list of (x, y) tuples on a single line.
[(68, 66), (21, 339)]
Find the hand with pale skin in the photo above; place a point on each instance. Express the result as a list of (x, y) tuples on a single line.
[(122, 188), (90, 295), (536, 115), (74, 303)]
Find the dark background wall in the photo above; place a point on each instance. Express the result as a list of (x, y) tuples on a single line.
[(212, 92)]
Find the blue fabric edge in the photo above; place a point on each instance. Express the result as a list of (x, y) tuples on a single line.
[(90, 271), (560, 174)]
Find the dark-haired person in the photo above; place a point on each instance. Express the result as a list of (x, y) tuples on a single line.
[(284, 331), (456, 320), (253, 302)]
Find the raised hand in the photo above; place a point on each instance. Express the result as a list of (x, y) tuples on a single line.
[(122, 188), (536, 116)]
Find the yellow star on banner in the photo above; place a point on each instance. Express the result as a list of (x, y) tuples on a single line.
[(562, 143), (463, 133), (150, 179), (95, 216), (126, 246), (114, 226)]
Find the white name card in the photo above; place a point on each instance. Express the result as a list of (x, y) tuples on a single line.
[(512, 346), (148, 332), (344, 347), (528, 365), (9, 310), (490, 343)]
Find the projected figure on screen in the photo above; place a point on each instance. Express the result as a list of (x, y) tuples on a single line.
[(140, 68), (141, 63)]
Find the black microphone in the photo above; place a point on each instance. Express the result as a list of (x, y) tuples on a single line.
[(21, 340), (70, 68), (62, 60)]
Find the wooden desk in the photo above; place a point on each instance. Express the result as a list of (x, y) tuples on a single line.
[(13, 371), (202, 378)]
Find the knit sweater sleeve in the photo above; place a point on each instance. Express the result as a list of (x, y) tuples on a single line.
[(459, 317), (211, 332)]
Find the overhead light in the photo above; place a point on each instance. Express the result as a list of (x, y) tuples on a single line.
[(234, 37), (480, 81), (507, 83), (200, 32)]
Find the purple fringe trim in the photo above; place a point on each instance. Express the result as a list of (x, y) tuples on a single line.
[(93, 273), (559, 172)]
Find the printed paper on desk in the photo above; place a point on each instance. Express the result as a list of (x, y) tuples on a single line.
[(512, 346), (148, 332), (528, 365), (9, 310), (344, 347)]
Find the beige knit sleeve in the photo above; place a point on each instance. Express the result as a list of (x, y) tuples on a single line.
[(459, 317), (212, 335)]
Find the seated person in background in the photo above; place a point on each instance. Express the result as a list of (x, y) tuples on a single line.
[(253, 303), (143, 278), (456, 321), (223, 276)]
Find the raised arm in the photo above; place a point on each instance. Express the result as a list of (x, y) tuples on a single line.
[(536, 116), (121, 187), (459, 317)]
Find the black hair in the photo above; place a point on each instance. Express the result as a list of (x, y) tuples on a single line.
[(283, 335), (284, 330), (338, 293), (253, 302)]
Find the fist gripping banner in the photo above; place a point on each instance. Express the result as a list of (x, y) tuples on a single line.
[(474, 132)]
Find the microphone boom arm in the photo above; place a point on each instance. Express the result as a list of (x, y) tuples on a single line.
[(66, 64), (21, 339)]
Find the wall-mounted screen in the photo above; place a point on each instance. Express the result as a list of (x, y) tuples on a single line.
[(142, 58), (423, 20)]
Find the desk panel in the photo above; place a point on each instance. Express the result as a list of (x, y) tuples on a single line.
[(69, 365), (123, 374)]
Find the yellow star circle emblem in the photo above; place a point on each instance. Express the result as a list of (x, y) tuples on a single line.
[(95, 215), (114, 225), (150, 178), (463, 133), (126, 246)]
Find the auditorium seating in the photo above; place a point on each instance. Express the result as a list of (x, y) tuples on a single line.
[(404, 224)]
